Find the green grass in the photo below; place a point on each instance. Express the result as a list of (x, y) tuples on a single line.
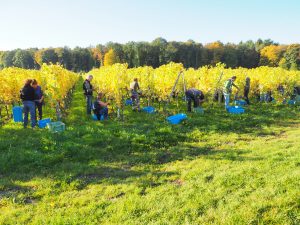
[(215, 168)]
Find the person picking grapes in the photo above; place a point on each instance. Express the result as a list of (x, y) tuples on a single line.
[(27, 95), (196, 96), (100, 108), (227, 90), (247, 90), (39, 98), (88, 92), (134, 89)]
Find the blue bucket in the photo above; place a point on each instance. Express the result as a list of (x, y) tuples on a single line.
[(18, 114), (94, 117), (128, 102), (149, 109), (43, 123), (176, 119), (235, 109)]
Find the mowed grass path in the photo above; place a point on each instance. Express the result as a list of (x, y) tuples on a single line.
[(214, 168)]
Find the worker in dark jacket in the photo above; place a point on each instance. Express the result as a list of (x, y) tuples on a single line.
[(196, 96), (39, 96), (27, 95), (88, 92), (135, 92), (247, 90), (100, 108)]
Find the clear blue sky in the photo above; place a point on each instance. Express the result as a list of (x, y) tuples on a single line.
[(44, 23)]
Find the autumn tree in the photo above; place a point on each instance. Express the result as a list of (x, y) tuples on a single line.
[(271, 55), (97, 56), (215, 52), (110, 58)]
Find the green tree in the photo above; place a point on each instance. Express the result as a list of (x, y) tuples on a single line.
[(23, 59), (291, 58)]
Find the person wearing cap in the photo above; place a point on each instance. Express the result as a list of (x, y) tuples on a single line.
[(88, 92), (196, 96), (227, 90)]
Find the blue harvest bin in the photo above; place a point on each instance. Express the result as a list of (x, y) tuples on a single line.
[(94, 117), (128, 102), (18, 114), (176, 119), (199, 110), (235, 109), (43, 123), (149, 109), (240, 102)]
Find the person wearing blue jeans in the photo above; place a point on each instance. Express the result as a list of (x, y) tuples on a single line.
[(194, 95), (88, 92), (89, 104), (100, 108), (39, 96), (228, 89), (29, 108), (27, 95), (134, 88)]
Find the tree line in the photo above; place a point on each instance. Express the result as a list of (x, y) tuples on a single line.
[(248, 54)]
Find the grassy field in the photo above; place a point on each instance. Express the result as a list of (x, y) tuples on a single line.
[(214, 168)]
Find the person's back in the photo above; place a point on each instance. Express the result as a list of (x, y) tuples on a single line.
[(134, 86), (28, 93)]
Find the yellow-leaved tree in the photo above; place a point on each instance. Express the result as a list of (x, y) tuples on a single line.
[(271, 55), (111, 58)]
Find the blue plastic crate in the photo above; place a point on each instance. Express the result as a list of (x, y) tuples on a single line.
[(94, 117), (235, 109), (199, 110), (240, 102), (18, 114), (176, 119), (149, 109), (43, 123), (128, 102), (292, 102)]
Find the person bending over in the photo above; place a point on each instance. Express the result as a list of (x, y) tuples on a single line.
[(196, 96), (100, 107)]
